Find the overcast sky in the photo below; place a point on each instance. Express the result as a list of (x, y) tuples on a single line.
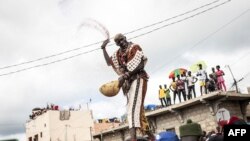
[(32, 29)]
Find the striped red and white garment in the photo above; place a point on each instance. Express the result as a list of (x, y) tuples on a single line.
[(137, 92)]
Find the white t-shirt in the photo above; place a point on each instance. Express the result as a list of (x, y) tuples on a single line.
[(202, 74), (191, 80)]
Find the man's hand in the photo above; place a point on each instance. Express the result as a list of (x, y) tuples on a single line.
[(104, 44), (121, 80)]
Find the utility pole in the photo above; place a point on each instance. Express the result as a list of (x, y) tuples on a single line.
[(235, 82), (66, 132), (90, 129), (88, 104)]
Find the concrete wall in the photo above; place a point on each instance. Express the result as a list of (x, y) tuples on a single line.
[(39, 126), (77, 128), (233, 107), (199, 113)]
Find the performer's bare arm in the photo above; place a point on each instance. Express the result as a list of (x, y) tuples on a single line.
[(105, 53)]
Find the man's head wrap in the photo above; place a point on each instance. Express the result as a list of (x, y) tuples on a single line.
[(119, 37)]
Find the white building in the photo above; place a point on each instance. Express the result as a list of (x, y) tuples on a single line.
[(54, 125)]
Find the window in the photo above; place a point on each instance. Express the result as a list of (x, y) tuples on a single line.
[(41, 134), (36, 137), (30, 138)]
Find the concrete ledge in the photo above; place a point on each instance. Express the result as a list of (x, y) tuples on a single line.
[(205, 99)]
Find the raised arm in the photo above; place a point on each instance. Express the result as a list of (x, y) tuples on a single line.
[(105, 53)]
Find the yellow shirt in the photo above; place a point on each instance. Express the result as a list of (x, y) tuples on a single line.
[(173, 84), (162, 93)]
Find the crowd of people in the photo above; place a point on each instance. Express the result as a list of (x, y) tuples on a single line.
[(192, 131), (39, 111), (183, 85)]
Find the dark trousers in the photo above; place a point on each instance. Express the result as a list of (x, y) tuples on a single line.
[(183, 94), (190, 89), (162, 104), (168, 101), (176, 94)]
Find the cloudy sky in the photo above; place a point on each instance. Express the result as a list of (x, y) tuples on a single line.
[(33, 29)]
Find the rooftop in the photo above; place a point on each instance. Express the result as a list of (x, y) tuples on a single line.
[(229, 95)]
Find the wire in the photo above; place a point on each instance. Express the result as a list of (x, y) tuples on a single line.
[(145, 33), (11, 124), (50, 56), (45, 64), (240, 58), (242, 79), (204, 39), (189, 17), (172, 17), (61, 53)]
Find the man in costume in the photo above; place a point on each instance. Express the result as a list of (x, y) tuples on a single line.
[(128, 62)]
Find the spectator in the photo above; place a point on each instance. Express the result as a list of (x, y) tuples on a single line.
[(190, 131), (181, 87), (184, 78), (162, 96), (173, 88), (202, 75), (191, 80), (214, 76), (216, 136), (210, 134), (220, 79), (167, 92), (203, 137), (210, 84)]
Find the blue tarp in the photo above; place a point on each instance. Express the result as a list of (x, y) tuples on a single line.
[(150, 107), (167, 136)]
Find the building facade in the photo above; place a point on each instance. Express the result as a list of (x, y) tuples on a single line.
[(205, 110), (55, 125)]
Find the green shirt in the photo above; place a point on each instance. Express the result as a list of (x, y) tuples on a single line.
[(167, 92)]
